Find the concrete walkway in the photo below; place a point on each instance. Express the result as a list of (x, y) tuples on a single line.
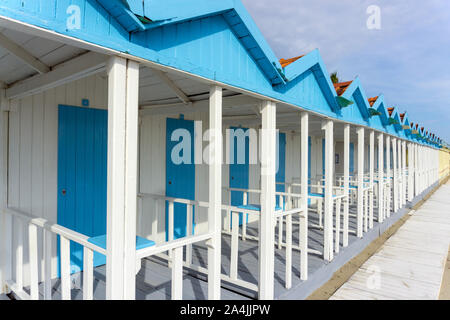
[(410, 265)]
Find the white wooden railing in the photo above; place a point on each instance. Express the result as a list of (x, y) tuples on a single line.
[(22, 219), (175, 247), (282, 216)]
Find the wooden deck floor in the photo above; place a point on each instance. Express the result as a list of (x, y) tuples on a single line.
[(411, 263)]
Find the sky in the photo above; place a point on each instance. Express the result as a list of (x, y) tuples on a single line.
[(407, 59)]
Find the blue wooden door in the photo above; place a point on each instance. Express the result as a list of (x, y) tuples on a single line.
[(239, 167), (180, 171), (82, 175), (281, 164)]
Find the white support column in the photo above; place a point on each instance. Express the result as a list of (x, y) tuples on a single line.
[(360, 212), (327, 125), (399, 173), (427, 163), (5, 220), (416, 171), (123, 84), (420, 163), (346, 182), (420, 156), (371, 174), (410, 171), (429, 153), (404, 180), (304, 192), (266, 221), (131, 179), (395, 173), (380, 178), (388, 176), (215, 192), (421, 188)]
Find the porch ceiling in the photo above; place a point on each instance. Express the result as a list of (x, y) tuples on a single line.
[(50, 53)]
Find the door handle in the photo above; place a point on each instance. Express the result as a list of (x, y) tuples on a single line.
[(63, 192)]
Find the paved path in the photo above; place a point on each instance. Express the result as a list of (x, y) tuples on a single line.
[(411, 263)]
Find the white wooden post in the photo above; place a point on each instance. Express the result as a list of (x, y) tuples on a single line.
[(371, 174), (18, 237), (303, 238), (215, 192), (47, 246), (388, 175), (327, 125), (88, 274), (422, 166), (380, 178), (416, 171), (189, 230), (404, 184), (267, 220), (346, 183), (123, 84), (131, 179), (360, 212), (338, 225), (395, 174), (288, 252), (177, 274), (33, 260), (420, 169), (400, 173), (64, 245), (410, 171), (5, 219), (244, 216), (419, 155), (234, 254)]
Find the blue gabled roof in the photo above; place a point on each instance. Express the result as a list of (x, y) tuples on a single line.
[(166, 12), (356, 93), (312, 62)]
